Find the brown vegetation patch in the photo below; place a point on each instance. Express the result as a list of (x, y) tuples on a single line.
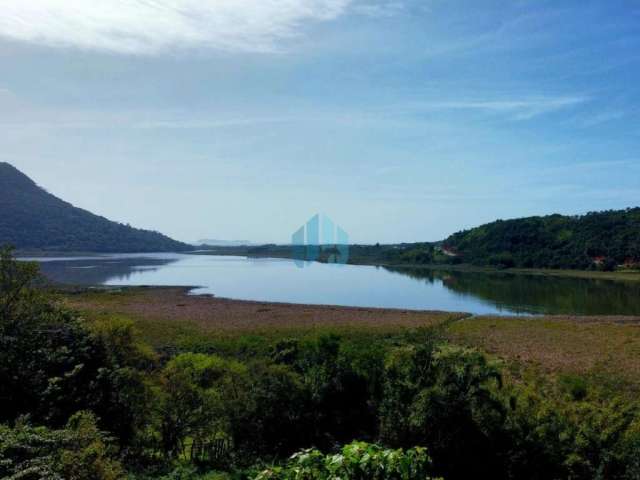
[(609, 345)]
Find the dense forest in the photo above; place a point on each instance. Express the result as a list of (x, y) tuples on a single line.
[(596, 240), (88, 400), (33, 219)]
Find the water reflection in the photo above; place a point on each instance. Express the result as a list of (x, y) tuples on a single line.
[(99, 270), (539, 294), (279, 280)]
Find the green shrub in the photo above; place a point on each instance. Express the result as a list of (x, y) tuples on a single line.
[(356, 461), (53, 365), (79, 452), (575, 385), (443, 397), (196, 393)]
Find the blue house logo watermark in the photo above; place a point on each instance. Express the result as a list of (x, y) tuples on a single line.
[(320, 239)]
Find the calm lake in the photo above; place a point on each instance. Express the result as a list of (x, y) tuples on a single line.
[(282, 280)]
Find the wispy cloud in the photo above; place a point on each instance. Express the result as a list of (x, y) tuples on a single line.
[(147, 27), (127, 120), (212, 124), (518, 109), (382, 9)]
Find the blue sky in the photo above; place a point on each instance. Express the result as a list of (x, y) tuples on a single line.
[(402, 120)]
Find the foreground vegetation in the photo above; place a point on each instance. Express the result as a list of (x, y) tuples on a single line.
[(87, 398)]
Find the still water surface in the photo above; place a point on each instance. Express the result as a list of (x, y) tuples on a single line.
[(281, 280)]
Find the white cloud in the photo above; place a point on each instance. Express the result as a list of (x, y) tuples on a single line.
[(519, 109), (152, 26)]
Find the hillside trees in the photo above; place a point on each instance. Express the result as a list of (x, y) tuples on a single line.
[(33, 219), (606, 238)]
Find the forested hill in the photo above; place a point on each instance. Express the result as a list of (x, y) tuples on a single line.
[(595, 240), (33, 219)]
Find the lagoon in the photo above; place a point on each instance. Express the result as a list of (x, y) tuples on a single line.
[(282, 280)]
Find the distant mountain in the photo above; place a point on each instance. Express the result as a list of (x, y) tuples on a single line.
[(212, 242), (595, 240), (33, 219)]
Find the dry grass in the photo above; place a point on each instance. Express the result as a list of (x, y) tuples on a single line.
[(598, 345)]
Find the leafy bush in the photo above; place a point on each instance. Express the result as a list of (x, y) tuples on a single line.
[(356, 461), (53, 365), (443, 397), (273, 422), (197, 392), (189, 472), (340, 390), (78, 452)]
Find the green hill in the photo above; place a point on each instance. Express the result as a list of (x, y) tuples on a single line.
[(33, 219), (595, 240)]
